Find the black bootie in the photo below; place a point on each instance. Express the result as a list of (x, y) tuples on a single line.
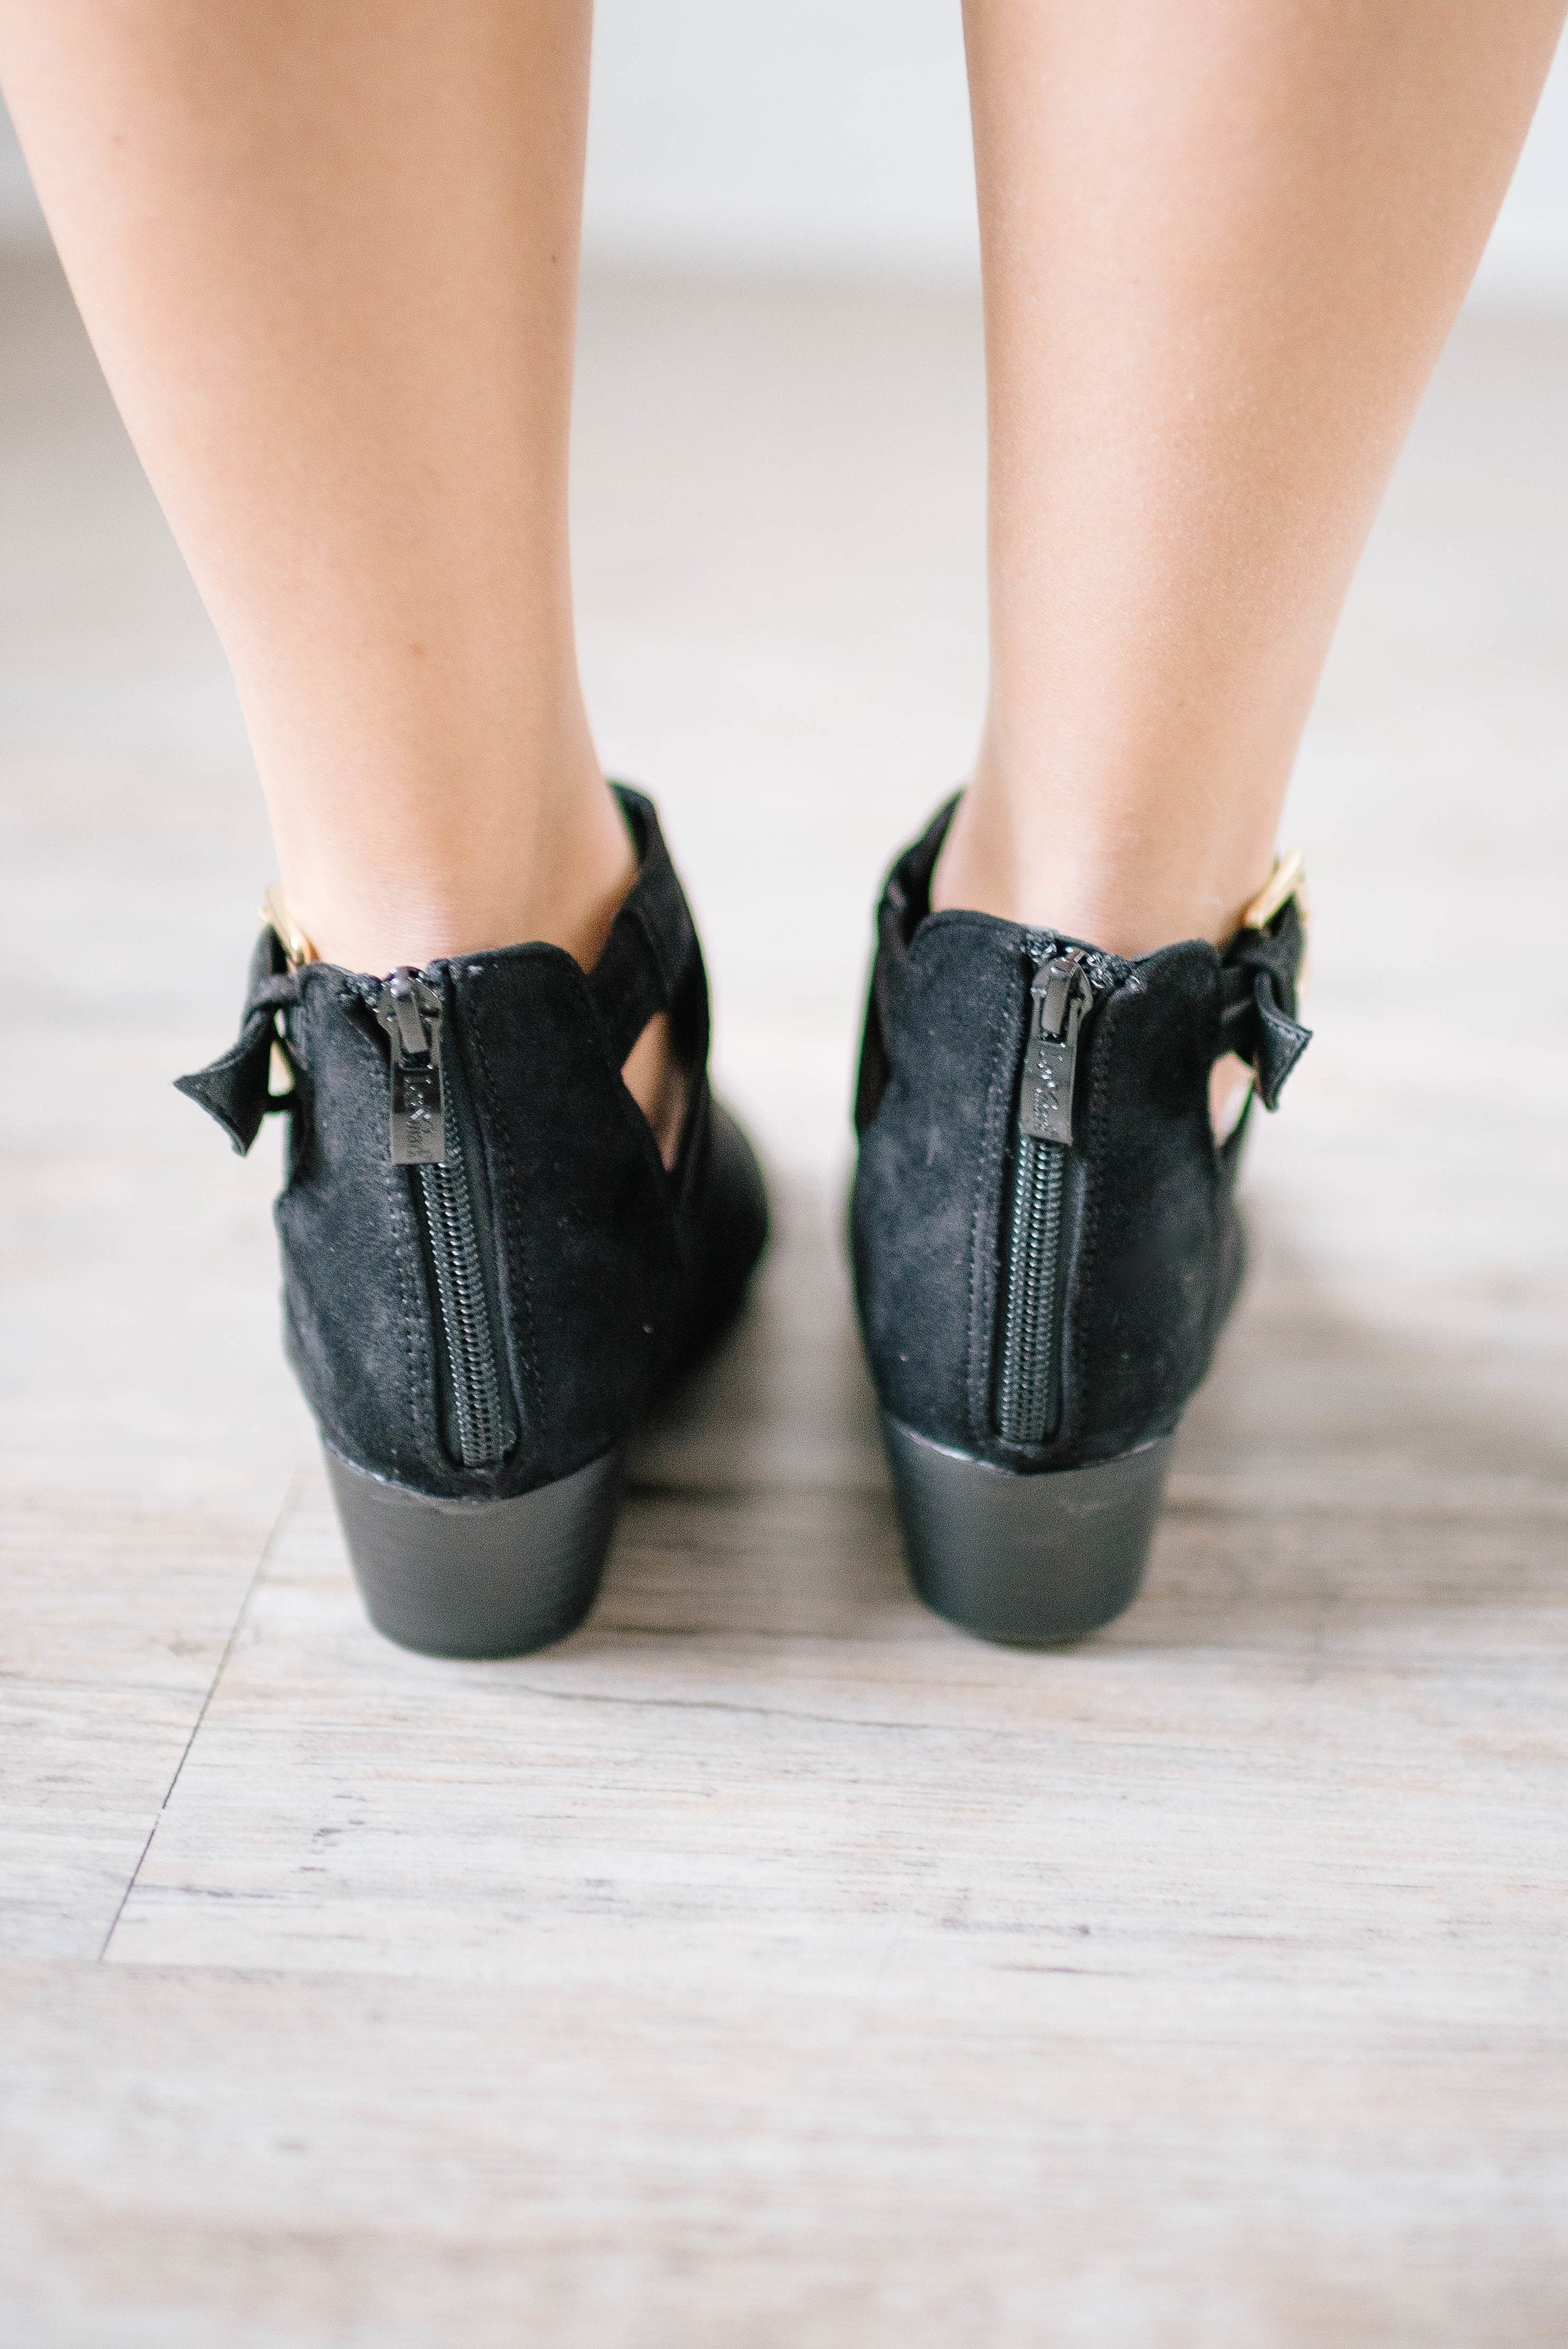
[(488, 1271), (1045, 1238)]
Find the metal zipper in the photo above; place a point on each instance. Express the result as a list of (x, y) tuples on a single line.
[(425, 1136), (1028, 1385)]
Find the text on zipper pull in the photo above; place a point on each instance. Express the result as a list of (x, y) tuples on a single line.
[(410, 1011), (1058, 999)]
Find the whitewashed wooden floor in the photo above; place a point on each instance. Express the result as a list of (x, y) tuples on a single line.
[(771, 1964)]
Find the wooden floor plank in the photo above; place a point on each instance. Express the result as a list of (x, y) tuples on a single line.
[(116, 1618), (1328, 1745), (333, 2164)]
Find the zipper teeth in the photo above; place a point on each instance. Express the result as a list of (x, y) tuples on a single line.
[(479, 1412), (1025, 1390), (1104, 971)]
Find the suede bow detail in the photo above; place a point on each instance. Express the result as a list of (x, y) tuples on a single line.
[(1258, 1021), (236, 1088)]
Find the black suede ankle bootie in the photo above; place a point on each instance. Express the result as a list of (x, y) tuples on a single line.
[(488, 1270), (1045, 1236)]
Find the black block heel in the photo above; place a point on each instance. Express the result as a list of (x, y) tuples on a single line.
[(1033, 1560), (475, 1578)]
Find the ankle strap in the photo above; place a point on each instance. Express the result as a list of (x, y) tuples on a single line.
[(1258, 972), (652, 955)]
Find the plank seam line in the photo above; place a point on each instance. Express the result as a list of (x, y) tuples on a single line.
[(241, 1619), (722, 1704)]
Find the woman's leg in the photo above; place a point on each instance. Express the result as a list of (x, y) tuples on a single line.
[(327, 253), (1223, 244), (327, 249)]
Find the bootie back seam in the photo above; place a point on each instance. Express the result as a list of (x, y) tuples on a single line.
[(513, 1272)]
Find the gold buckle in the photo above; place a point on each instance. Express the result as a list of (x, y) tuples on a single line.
[(1287, 880), (275, 913)]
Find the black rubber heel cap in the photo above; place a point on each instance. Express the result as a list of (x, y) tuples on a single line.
[(1030, 1559), (478, 1579)]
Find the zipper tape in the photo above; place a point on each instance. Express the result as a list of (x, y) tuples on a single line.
[(423, 1136), (1028, 1382)]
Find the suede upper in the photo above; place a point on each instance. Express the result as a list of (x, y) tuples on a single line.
[(605, 1274), (1151, 1241)]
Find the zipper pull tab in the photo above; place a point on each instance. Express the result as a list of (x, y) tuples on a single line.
[(409, 1011), (1061, 994)]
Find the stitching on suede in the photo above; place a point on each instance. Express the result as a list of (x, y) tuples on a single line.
[(512, 1218), (422, 1412), (1076, 1414), (981, 1302), (422, 1418)]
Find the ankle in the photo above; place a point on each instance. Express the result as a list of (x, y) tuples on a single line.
[(421, 887), (1109, 885)]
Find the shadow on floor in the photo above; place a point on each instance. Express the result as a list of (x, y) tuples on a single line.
[(1330, 1465)]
